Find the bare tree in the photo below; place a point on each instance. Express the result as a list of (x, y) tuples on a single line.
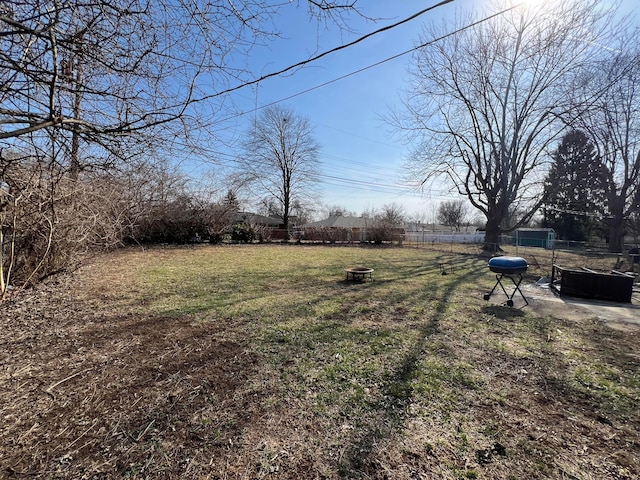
[(386, 224), (337, 211), (452, 213), (393, 214), (97, 70), (484, 103), (303, 212), (281, 159), (612, 121)]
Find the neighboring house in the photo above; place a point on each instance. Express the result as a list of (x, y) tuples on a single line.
[(338, 228), (273, 225), (255, 219)]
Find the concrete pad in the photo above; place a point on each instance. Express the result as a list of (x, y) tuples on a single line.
[(621, 316)]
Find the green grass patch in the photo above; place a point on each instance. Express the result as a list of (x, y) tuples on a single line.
[(412, 358)]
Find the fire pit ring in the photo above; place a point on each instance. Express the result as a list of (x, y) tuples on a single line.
[(359, 273)]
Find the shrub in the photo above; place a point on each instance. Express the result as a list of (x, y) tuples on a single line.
[(242, 233)]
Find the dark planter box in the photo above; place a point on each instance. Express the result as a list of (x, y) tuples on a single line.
[(600, 286)]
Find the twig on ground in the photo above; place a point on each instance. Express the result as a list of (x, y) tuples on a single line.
[(95, 422), (145, 430), (51, 387)]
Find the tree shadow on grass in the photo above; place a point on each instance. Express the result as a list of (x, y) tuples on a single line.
[(393, 411), (589, 402), (503, 312)]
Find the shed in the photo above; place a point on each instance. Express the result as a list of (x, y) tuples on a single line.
[(534, 237)]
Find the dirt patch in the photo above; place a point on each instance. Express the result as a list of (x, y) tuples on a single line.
[(88, 395)]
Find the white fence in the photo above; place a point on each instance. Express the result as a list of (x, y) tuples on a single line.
[(430, 237)]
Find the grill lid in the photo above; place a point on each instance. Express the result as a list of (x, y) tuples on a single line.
[(507, 264)]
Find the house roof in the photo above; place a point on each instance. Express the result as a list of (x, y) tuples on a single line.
[(255, 219), (339, 222)]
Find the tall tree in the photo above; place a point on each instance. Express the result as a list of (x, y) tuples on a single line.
[(574, 194), (231, 200), (452, 213), (484, 102), (387, 224), (392, 214), (336, 211), (281, 158), (612, 119)]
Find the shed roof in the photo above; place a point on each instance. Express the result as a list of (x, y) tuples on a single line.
[(532, 229)]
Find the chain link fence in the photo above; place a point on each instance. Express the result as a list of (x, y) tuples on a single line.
[(578, 255)]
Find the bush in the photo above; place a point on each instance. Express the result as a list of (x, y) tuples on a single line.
[(262, 233), (326, 234), (382, 232), (242, 233), (50, 220)]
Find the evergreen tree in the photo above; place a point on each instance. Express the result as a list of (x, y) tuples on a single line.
[(231, 201), (573, 189)]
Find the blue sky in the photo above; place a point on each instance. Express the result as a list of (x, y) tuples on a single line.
[(360, 157)]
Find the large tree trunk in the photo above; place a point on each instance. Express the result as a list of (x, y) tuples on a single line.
[(285, 221), (492, 235), (616, 233)]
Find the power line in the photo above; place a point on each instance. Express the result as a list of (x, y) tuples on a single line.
[(363, 69), (323, 125), (359, 184), (334, 180), (357, 167), (230, 160), (351, 134), (327, 52), (355, 72)]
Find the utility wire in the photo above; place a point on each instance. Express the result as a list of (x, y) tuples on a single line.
[(230, 160), (363, 182), (328, 52), (360, 70), (336, 180), (388, 59)]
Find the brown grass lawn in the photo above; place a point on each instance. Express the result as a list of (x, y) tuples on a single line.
[(263, 362)]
